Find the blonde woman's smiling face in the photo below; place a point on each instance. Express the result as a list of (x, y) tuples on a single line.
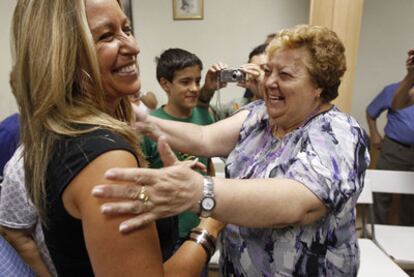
[(116, 48), (290, 93)]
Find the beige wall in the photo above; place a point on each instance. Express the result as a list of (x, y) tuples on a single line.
[(7, 103)]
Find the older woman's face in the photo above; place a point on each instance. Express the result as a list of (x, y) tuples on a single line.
[(116, 48), (290, 94)]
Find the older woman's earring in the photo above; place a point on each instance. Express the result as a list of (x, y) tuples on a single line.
[(318, 95)]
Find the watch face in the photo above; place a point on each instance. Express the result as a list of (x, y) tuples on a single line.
[(208, 203)]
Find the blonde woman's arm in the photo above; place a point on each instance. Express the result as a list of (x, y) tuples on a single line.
[(132, 254)]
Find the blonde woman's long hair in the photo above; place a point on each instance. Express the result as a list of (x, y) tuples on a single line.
[(58, 84)]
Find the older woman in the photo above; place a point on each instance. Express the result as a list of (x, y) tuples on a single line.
[(75, 66), (295, 168)]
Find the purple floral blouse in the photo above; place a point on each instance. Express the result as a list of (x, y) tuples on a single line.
[(329, 156)]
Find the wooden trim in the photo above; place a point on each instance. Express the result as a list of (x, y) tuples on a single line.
[(344, 17)]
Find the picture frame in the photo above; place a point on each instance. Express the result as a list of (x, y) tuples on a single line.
[(188, 9)]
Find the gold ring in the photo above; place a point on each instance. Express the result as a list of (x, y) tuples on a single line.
[(146, 207), (143, 195)]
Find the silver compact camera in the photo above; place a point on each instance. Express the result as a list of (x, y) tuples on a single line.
[(232, 75)]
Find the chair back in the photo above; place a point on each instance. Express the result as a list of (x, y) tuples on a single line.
[(218, 166), (365, 197), (390, 181), (10, 262), (396, 241)]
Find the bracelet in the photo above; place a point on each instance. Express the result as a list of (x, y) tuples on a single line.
[(203, 238), (204, 232)]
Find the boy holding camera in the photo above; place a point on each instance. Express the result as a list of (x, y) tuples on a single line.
[(179, 74)]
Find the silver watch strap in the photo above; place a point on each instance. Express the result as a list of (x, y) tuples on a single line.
[(208, 195)]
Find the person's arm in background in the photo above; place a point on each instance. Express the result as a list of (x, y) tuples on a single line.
[(23, 242), (210, 85), (378, 105), (404, 95), (149, 99), (18, 217), (374, 134)]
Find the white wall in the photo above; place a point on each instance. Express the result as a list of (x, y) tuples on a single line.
[(7, 102), (386, 35), (229, 31)]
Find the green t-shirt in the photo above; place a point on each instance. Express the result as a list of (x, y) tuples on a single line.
[(200, 116)]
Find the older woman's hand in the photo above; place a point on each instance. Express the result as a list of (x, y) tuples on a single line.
[(158, 192), (254, 79)]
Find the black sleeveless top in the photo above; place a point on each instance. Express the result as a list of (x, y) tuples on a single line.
[(63, 233)]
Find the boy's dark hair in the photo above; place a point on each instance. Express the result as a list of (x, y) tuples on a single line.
[(175, 59), (258, 50)]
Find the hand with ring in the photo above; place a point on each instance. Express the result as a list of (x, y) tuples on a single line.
[(158, 193)]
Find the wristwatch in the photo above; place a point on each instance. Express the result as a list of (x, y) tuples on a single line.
[(208, 202)]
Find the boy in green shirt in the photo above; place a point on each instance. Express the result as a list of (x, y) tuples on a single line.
[(179, 74)]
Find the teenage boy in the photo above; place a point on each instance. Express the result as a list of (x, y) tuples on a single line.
[(179, 74)]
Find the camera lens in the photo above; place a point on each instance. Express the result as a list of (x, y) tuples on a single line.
[(236, 74)]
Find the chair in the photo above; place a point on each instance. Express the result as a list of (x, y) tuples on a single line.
[(218, 166), (366, 200), (396, 241), (10, 262), (373, 260)]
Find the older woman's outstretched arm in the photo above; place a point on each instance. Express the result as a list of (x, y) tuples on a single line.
[(249, 202), (217, 139), (272, 202)]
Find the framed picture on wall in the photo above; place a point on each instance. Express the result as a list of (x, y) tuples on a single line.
[(188, 9), (128, 11)]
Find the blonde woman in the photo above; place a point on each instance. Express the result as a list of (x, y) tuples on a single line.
[(75, 65)]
